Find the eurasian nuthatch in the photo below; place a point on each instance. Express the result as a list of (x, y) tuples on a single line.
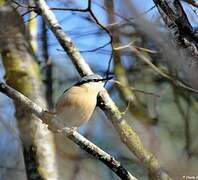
[(76, 105)]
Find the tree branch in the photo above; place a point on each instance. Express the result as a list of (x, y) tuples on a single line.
[(176, 19), (127, 134), (56, 125), (192, 2)]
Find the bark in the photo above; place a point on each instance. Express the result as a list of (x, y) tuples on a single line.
[(22, 73)]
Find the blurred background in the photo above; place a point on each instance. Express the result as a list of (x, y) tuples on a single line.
[(163, 115)]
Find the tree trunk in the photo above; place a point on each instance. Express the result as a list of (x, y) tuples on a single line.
[(22, 73)]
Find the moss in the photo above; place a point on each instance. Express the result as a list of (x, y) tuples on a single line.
[(2, 2), (19, 74), (136, 107)]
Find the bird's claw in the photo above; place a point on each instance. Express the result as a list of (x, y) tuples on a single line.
[(68, 130)]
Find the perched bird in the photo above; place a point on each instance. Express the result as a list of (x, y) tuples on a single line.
[(76, 105)]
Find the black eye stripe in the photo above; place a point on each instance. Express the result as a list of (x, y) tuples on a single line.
[(87, 81), (92, 80)]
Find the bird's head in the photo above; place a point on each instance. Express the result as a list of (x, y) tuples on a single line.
[(93, 82)]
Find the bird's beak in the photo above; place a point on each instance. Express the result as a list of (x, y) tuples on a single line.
[(106, 78)]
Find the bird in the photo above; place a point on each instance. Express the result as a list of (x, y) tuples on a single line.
[(76, 105)]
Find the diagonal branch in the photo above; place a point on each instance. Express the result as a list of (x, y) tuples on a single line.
[(192, 2), (127, 134), (56, 125), (176, 19)]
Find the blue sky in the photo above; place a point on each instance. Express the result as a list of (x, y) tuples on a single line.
[(83, 33)]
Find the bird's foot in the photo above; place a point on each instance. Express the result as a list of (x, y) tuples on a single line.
[(72, 129), (67, 130)]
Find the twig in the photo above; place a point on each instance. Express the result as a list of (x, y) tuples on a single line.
[(124, 46), (34, 8), (143, 58), (96, 49), (137, 47), (129, 20), (156, 69), (107, 31), (56, 125), (192, 2), (134, 89)]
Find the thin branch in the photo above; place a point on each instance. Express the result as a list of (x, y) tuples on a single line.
[(134, 89), (156, 69), (89, 8), (56, 125), (137, 47), (129, 20), (176, 19), (32, 18), (68, 9), (192, 2), (127, 134), (34, 8), (25, 13), (105, 29), (96, 49), (143, 58), (124, 46)]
